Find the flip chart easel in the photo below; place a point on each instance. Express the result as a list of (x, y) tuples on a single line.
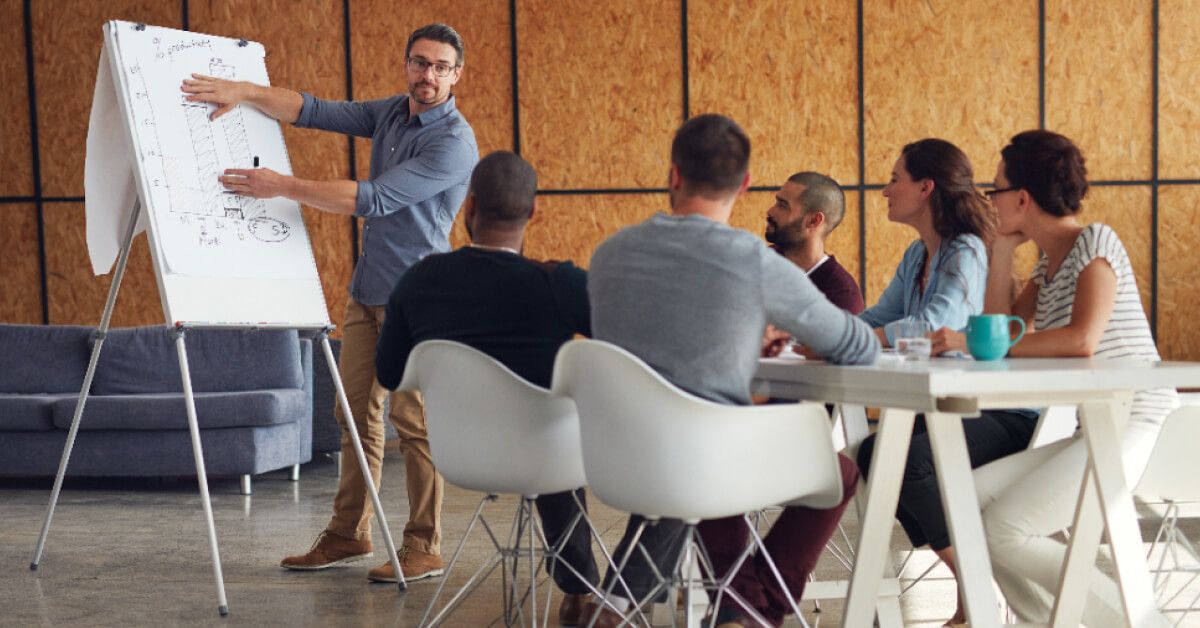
[(216, 255)]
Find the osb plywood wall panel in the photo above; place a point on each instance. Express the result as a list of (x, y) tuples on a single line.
[(21, 297), (571, 227), (379, 34), (886, 242), (844, 243), (67, 38), (1024, 261), (962, 71), (77, 296), (1179, 109), (796, 96), (601, 91), (16, 156), (1098, 79), (1179, 284), (750, 213), (305, 52), (1127, 211)]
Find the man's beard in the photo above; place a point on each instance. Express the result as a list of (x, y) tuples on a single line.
[(412, 93), (785, 238)]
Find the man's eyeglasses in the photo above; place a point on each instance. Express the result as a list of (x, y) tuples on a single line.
[(993, 193), (419, 65)]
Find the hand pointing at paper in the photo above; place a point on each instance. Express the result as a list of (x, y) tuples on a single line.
[(279, 103), (336, 197), (256, 182)]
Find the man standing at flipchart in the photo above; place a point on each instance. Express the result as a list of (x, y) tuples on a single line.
[(422, 154)]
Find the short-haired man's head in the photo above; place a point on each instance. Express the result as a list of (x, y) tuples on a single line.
[(503, 185), (1048, 166), (821, 194), (712, 154), (438, 32)]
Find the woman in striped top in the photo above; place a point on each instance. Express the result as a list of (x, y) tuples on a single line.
[(1083, 301)]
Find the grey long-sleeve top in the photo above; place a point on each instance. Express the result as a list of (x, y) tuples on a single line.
[(691, 296)]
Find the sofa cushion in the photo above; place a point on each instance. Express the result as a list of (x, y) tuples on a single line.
[(31, 413), (166, 411), (139, 360), (43, 358)]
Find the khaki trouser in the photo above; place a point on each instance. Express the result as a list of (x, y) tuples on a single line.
[(352, 508)]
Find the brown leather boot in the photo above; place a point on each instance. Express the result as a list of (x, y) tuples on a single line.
[(329, 550), (570, 612), (608, 617), (417, 565)]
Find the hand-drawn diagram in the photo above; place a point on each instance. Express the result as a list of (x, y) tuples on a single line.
[(197, 226), (196, 197)]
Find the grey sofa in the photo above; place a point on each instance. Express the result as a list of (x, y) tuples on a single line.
[(253, 392)]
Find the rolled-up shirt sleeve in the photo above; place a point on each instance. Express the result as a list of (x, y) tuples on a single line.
[(433, 170), (358, 118)]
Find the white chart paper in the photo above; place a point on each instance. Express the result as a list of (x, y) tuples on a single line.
[(203, 229)]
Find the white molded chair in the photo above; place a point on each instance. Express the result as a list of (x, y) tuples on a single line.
[(492, 431), (652, 449), (1169, 489)]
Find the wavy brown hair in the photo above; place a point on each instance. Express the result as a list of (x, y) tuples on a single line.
[(958, 207)]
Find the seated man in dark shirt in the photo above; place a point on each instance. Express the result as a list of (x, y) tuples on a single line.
[(807, 209), (517, 310)]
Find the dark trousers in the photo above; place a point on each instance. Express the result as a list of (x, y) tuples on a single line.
[(995, 434), (795, 543), (663, 541), (557, 510)]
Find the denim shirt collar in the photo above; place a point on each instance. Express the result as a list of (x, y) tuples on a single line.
[(429, 116)]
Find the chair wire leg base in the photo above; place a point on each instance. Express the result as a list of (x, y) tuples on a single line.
[(616, 570)]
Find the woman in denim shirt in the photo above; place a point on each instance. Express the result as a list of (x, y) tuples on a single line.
[(941, 281), (943, 273)]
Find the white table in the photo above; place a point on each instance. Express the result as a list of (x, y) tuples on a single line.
[(949, 389)]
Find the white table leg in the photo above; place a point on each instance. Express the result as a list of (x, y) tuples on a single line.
[(963, 518), (883, 491), (1102, 423), (1081, 558)]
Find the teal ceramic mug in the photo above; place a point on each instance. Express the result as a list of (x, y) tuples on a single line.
[(989, 337)]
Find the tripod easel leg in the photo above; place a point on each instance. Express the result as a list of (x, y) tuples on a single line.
[(201, 476), (362, 459), (122, 260)]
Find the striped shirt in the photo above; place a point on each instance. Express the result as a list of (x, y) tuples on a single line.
[(1127, 335)]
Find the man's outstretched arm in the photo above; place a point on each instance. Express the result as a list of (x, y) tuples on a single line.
[(277, 102)]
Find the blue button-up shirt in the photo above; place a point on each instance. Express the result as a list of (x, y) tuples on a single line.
[(420, 168), (954, 292)]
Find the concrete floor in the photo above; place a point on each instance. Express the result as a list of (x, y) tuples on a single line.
[(133, 553)]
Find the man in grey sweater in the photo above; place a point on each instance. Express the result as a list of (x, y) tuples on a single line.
[(691, 296)]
